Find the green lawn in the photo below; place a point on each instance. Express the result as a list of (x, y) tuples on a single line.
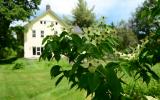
[(33, 82)]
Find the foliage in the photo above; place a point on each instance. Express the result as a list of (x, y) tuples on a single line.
[(18, 66), (10, 11), (142, 22), (127, 39), (83, 16), (7, 52), (91, 68), (80, 51)]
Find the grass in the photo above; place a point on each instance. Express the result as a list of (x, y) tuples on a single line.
[(33, 82), (141, 88)]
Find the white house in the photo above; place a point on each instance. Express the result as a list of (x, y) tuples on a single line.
[(46, 24)]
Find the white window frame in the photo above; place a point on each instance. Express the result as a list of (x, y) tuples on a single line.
[(37, 51)]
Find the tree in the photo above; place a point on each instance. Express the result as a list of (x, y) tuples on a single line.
[(83, 16), (126, 36), (13, 10), (91, 68), (142, 23)]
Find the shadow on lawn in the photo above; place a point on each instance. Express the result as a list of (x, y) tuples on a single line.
[(8, 61)]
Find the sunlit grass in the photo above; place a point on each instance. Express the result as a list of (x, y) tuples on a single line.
[(33, 82)]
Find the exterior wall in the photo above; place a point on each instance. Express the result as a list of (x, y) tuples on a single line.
[(30, 42)]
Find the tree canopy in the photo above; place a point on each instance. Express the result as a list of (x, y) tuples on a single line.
[(13, 10), (142, 22)]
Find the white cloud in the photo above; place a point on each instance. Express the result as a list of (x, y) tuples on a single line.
[(112, 9)]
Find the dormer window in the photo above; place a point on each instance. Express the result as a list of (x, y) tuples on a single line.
[(56, 23), (41, 22), (44, 22), (33, 33)]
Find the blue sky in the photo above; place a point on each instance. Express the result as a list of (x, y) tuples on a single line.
[(114, 10)]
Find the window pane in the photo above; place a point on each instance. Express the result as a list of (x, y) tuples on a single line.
[(33, 33), (55, 32), (41, 22), (56, 23), (34, 50), (38, 49), (38, 53), (42, 33)]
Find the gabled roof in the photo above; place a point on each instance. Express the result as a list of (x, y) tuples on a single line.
[(50, 12)]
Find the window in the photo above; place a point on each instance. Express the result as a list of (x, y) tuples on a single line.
[(41, 22), (44, 22), (42, 33), (55, 32), (37, 50), (41, 49), (56, 23), (33, 33), (34, 50)]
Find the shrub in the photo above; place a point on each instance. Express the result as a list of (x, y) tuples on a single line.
[(18, 66)]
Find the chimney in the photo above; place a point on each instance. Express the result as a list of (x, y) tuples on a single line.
[(48, 7)]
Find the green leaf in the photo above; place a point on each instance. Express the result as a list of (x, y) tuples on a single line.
[(76, 39), (57, 56), (83, 81), (154, 75), (145, 76), (63, 34), (59, 80), (45, 39), (113, 82), (55, 71), (93, 81), (125, 67), (73, 85), (94, 51), (113, 64), (106, 47)]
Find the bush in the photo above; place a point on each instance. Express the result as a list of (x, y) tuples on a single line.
[(6, 53), (18, 66)]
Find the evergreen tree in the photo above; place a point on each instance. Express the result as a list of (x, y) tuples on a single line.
[(83, 16)]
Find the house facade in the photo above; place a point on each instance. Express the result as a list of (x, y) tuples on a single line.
[(36, 30)]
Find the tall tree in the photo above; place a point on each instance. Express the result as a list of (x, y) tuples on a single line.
[(13, 10), (83, 16)]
